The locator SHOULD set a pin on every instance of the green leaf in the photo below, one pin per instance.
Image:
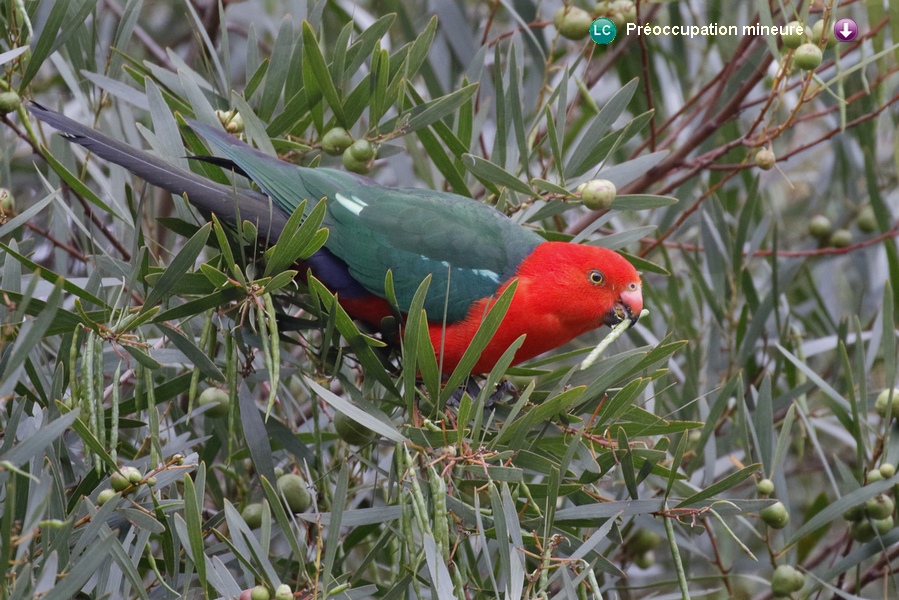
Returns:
(490, 173)
(316, 61)
(183, 261)
(720, 486)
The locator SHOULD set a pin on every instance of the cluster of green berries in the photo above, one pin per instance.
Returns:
(573, 22)
(292, 488)
(874, 518)
(125, 481)
(260, 592)
(820, 228)
(641, 546)
(597, 194)
(806, 46)
(358, 155)
(774, 515)
(786, 579)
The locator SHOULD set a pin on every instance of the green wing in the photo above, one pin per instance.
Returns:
(469, 249)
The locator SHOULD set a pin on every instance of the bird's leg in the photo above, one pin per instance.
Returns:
(471, 386)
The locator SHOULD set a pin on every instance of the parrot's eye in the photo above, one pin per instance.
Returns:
(632, 287)
(596, 278)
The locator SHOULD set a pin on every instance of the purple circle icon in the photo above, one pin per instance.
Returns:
(846, 30)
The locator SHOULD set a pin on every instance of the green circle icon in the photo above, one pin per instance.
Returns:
(603, 30)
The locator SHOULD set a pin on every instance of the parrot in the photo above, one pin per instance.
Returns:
(471, 251)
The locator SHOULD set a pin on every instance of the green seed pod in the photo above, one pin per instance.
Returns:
(765, 487)
(883, 526)
(854, 513)
(283, 592)
(645, 560)
(598, 194)
(641, 541)
(336, 140)
(220, 401)
(862, 531)
(572, 22)
(775, 515)
(884, 406)
(252, 515)
(295, 493)
(119, 482)
(808, 56)
(819, 30)
(867, 221)
(350, 431)
(795, 36)
(820, 227)
(9, 102)
(880, 507)
(363, 151)
(785, 581)
(765, 159)
(260, 592)
(105, 496)
(356, 166)
(841, 238)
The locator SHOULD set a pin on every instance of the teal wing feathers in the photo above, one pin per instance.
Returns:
(468, 248)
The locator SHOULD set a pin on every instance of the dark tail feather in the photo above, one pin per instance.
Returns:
(208, 196)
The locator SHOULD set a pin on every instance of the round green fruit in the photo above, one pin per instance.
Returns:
(336, 140)
(642, 541)
(841, 238)
(598, 194)
(252, 515)
(820, 227)
(785, 581)
(885, 406)
(775, 515)
(219, 399)
(572, 22)
(874, 475)
(794, 36)
(883, 526)
(862, 531)
(362, 150)
(854, 513)
(765, 487)
(867, 220)
(9, 102)
(119, 482)
(283, 592)
(105, 496)
(765, 159)
(296, 494)
(350, 431)
(887, 470)
(808, 56)
(645, 560)
(260, 592)
(880, 506)
(356, 166)
(820, 29)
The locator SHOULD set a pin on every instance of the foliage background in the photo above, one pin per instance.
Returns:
(761, 357)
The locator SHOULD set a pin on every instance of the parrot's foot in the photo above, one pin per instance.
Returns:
(473, 389)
